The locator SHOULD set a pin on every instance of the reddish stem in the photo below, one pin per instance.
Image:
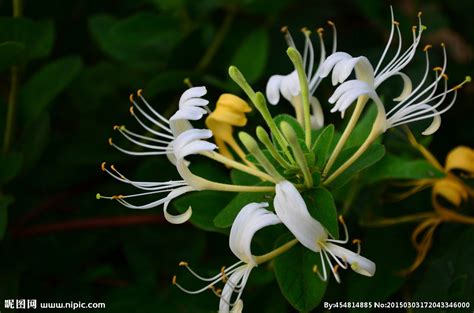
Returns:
(91, 223)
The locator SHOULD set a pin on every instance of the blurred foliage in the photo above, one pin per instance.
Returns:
(76, 63)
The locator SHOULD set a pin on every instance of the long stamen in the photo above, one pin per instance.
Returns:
(164, 151)
(148, 117)
(122, 129)
(149, 129)
(161, 117)
(346, 232)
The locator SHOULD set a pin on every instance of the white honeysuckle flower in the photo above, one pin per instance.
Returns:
(162, 131)
(343, 64)
(293, 212)
(289, 85)
(413, 104)
(187, 143)
(250, 219)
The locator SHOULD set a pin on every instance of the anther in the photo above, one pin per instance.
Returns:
(113, 168)
(174, 280)
(396, 23)
(420, 13)
(466, 80)
(116, 127)
(424, 27)
(284, 29)
(306, 31)
(139, 92)
(320, 30)
(102, 166)
(331, 23)
(183, 263)
(336, 268)
(188, 82)
(443, 45)
(427, 47)
(437, 68)
(110, 141)
(131, 111)
(341, 220)
(224, 275)
(358, 243)
(98, 196)
(131, 98)
(445, 76)
(315, 269)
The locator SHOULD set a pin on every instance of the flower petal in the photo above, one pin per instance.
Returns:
(317, 118)
(291, 209)
(250, 219)
(180, 218)
(190, 142)
(193, 92)
(358, 263)
(331, 61)
(273, 89)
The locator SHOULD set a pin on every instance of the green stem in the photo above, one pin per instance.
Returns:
(271, 255)
(345, 135)
(377, 130)
(17, 8)
(297, 60)
(12, 99)
(217, 41)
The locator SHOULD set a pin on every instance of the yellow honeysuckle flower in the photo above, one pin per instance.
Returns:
(229, 112)
(447, 195)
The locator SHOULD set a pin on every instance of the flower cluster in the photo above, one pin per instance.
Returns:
(296, 159)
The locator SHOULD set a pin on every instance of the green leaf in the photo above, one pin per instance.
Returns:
(322, 144)
(242, 178)
(303, 289)
(293, 123)
(321, 206)
(373, 154)
(46, 84)
(35, 140)
(166, 81)
(225, 218)
(36, 37)
(5, 201)
(11, 53)
(395, 167)
(10, 166)
(251, 56)
(141, 39)
(206, 205)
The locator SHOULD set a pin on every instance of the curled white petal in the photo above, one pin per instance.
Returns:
(317, 118)
(434, 126)
(331, 61)
(273, 89)
(190, 142)
(407, 87)
(358, 263)
(250, 219)
(292, 211)
(193, 92)
(180, 218)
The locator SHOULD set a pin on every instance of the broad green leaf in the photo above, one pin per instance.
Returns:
(35, 36)
(321, 206)
(372, 155)
(166, 81)
(251, 56)
(206, 205)
(5, 201)
(395, 167)
(241, 178)
(46, 84)
(35, 140)
(11, 53)
(10, 166)
(322, 144)
(293, 123)
(303, 289)
(225, 218)
(141, 39)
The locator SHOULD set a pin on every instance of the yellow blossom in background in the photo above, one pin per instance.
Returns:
(447, 195)
(229, 112)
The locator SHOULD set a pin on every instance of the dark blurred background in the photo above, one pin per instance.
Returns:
(76, 64)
